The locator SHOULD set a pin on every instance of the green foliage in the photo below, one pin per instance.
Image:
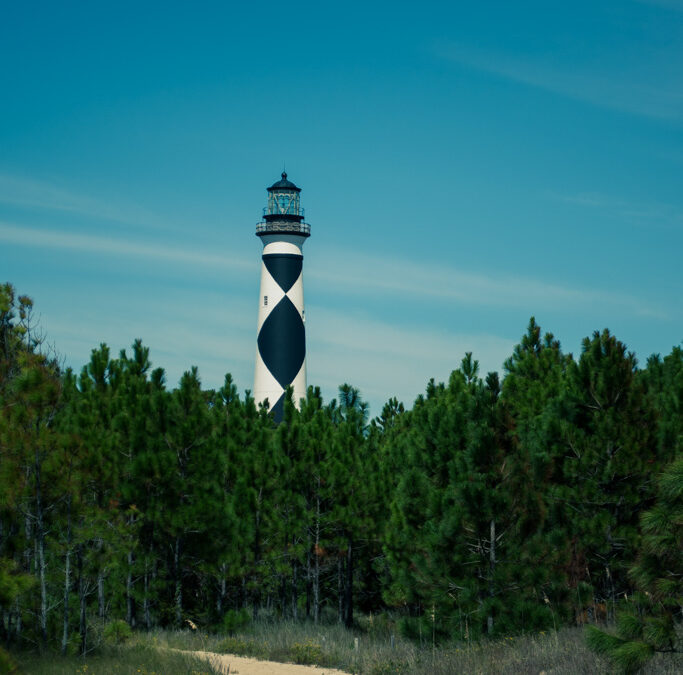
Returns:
(632, 656)
(235, 620)
(144, 659)
(664, 381)
(630, 626)
(241, 647)
(601, 642)
(650, 622)
(610, 452)
(389, 667)
(117, 632)
(489, 508)
(13, 582)
(8, 665)
(627, 656)
(307, 653)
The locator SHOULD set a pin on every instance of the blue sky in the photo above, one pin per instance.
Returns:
(464, 166)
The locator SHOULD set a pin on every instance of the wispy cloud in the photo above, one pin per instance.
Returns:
(646, 214)
(384, 359)
(36, 194)
(381, 358)
(181, 331)
(350, 272)
(674, 5)
(649, 92)
(26, 236)
(358, 273)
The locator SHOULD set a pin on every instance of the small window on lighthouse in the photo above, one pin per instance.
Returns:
(265, 300)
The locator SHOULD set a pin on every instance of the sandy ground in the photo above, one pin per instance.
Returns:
(240, 665)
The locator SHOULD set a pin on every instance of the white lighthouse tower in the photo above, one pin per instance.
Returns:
(281, 342)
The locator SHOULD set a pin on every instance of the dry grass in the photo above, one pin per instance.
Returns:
(124, 660)
(561, 653)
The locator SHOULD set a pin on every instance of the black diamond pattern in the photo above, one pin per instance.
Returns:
(278, 410)
(285, 268)
(282, 342)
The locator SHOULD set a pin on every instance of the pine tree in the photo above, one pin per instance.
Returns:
(30, 398)
(99, 528)
(228, 414)
(16, 579)
(252, 484)
(195, 507)
(609, 454)
(424, 545)
(547, 558)
(135, 463)
(650, 620)
(664, 381)
(349, 488)
(316, 434)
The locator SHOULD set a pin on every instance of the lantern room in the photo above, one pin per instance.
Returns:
(283, 212)
(283, 201)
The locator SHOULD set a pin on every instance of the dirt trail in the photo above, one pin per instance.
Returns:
(228, 664)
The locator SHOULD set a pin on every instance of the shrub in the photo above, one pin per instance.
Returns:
(241, 647)
(377, 625)
(117, 632)
(7, 663)
(307, 653)
(234, 620)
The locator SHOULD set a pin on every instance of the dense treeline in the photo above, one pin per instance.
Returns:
(492, 506)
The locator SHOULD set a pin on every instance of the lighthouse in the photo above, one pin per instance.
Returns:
(281, 341)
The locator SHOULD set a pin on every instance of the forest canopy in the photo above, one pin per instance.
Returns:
(549, 495)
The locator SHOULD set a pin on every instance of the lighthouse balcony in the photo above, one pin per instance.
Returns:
(283, 227)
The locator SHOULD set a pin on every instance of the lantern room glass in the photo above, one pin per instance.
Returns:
(283, 203)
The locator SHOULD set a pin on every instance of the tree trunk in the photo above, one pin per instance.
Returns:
(155, 572)
(6, 628)
(28, 535)
(308, 577)
(612, 594)
(257, 557)
(82, 624)
(220, 601)
(316, 574)
(295, 609)
(145, 603)
(348, 619)
(19, 627)
(42, 567)
(100, 594)
(40, 551)
(67, 577)
(283, 596)
(340, 588)
(492, 569)
(130, 611)
(178, 585)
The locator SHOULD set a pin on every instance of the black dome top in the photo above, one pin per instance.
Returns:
(284, 184)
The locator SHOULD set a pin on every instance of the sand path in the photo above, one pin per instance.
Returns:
(228, 664)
